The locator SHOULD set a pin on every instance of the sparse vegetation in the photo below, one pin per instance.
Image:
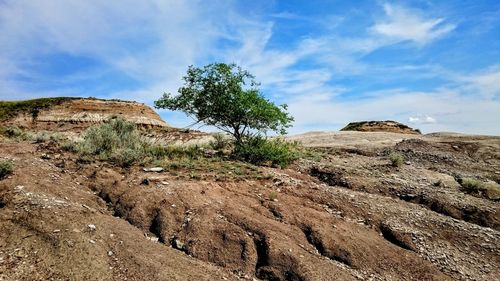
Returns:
(9, 109)
(48, 136)
(220, 142)
(14, 132)
(273, 196)
(396, 159)
(259, 150)
(489, 190)
(117, 141)
(6, 168)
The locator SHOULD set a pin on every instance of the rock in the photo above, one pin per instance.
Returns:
(154, 169)
(456, 147)
(92, 227)
(177, 244)
(110, 253)
(408, 163)
(45, 156)
(56, 230)
(92, 241)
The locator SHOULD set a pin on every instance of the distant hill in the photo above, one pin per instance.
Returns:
(381, 126)
(73, 113)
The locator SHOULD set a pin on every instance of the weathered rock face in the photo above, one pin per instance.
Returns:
(380, 126)
(81, 113)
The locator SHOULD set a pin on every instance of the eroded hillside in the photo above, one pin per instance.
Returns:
(343, 212)
(75, 114)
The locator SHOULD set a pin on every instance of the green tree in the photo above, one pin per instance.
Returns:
(227, 97)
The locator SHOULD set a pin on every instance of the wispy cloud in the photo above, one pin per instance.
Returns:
(329, 76)
(402, 24)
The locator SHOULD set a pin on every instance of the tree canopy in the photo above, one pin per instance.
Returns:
(227, 97)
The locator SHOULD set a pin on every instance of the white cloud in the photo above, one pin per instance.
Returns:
(454, 111)
(419, 119)
(485, 83)
(150, 41)
(403, 24)
(154, 41)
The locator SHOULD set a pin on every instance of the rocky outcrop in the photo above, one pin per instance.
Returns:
(380, 126)
(83, 112)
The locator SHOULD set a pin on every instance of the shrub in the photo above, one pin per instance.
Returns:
(14, 132)
(490, 190)
(116, 140)
(259, 150)
(119, 142)
(220, 142)
(48, 136)
(396, 159)
(6, 168)
(125, 157)
(68, 145)
(470, 184)
(103, 140)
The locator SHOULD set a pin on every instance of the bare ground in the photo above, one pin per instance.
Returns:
(342, 214)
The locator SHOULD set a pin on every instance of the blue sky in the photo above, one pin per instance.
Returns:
(434, 65)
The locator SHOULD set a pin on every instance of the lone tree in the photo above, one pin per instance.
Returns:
(227, 97)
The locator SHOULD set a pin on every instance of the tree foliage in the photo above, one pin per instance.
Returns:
(227, 97)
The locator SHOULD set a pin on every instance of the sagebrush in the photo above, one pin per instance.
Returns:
(119, 141)
(396, 159)
(6, 168)
(260, 150)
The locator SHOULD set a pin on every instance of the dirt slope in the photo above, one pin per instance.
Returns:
(342, 214)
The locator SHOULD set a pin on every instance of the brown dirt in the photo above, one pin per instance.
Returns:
(344, 214)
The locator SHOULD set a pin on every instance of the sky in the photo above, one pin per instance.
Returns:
(434, 65)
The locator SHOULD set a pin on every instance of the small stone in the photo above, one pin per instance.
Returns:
(164, 183)
(56, 230)
(110, 253)
(154, 169)
(92, 241)
(92, 227)
(408, 163)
